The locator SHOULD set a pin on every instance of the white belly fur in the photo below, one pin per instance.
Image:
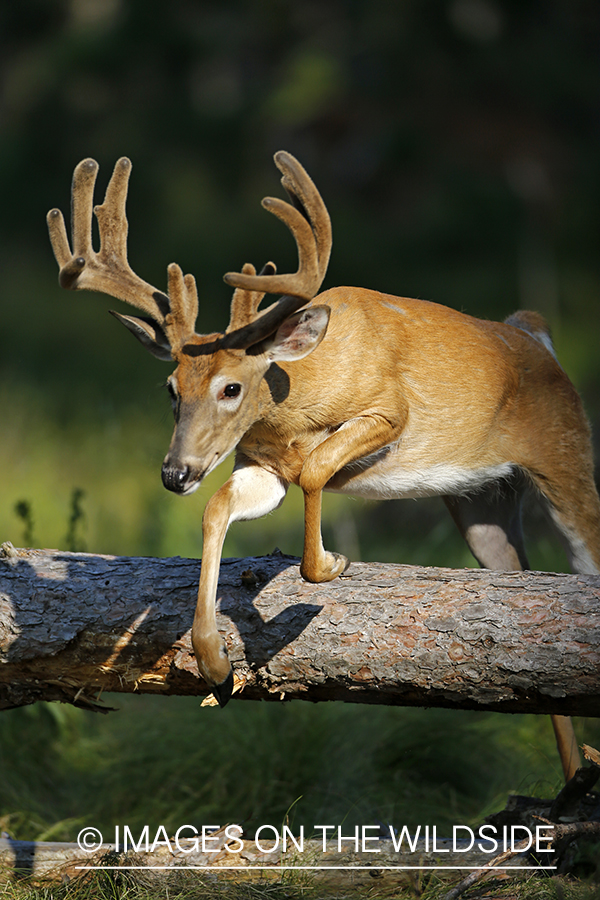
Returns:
(383, 477)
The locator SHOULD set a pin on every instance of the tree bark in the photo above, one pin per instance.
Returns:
(75, 625)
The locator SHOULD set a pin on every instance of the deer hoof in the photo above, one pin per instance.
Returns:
(224, 690)
(332, 565)
(340, 564)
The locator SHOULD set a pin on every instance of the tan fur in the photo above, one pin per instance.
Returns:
(359, 392)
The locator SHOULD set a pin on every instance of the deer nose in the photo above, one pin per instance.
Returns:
(175, 478)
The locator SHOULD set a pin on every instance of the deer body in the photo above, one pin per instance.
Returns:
(454, 402)
(350, 391)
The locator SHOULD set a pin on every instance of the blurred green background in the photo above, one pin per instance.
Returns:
(455, 143)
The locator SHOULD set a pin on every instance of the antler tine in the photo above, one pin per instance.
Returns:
(309, 222)
(180, 322)
(306, 198)
(245, 303)
(108, 270)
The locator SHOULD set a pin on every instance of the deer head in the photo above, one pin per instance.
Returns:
(215, 387)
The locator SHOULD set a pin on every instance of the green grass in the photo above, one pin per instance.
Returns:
(167, 761)
(192, 886)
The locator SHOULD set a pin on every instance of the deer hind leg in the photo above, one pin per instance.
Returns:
(573, 508)
(575, 517)
(490, 522)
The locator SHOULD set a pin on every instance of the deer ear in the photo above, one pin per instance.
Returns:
(148, 333)
(298, 335)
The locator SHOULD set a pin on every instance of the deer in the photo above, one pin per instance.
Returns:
(351, 391)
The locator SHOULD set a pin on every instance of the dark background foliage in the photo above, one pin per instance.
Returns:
(456, 144)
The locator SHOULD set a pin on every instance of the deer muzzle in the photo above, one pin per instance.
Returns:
(180, 479)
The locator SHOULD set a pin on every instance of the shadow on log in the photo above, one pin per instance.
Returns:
(75, 625)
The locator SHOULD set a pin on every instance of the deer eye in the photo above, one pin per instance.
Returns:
(174, 396)
(228, 393)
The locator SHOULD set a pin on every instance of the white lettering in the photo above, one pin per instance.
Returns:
(324, 829)
(397, 842)
(368, 837)
(435, 848)
(492, 840)
(128, 837)
(340, 839)
(513, 830)
(275, 838)
(206, 830)
(287, 833)
(454, 838)
(193, 848)
(165, 840)
(543, 837)
(234, 837)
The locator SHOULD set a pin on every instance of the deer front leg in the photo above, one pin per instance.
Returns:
(249, 493)
(317, 563)
(355, 439)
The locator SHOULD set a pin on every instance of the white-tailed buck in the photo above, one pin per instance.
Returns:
(350, 391)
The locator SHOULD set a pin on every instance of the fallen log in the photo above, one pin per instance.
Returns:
(247, 859)
(75, 625)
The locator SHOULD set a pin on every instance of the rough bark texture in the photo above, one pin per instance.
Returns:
(73, 625)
